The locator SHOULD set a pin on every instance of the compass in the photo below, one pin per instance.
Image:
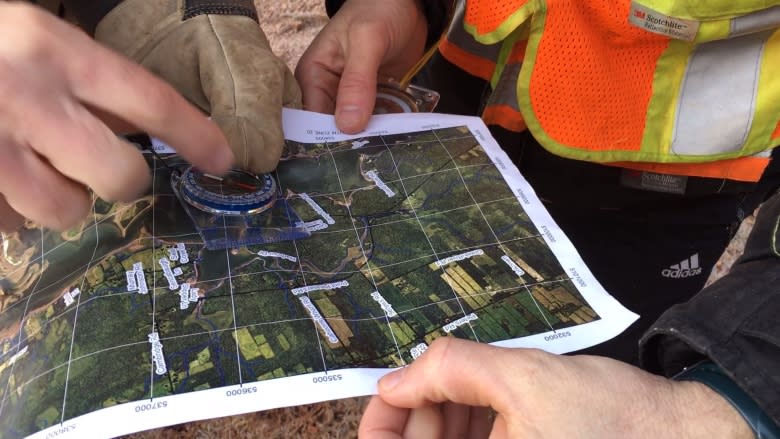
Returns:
(391, 98)
(235, 193)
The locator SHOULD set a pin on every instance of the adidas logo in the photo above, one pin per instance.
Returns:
(686, 268)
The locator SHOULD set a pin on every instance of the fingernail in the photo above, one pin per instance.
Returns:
(350, 117)
(391, 380)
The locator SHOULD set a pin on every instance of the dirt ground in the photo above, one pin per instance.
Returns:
(290, 26)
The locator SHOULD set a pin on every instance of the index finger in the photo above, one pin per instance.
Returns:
(118, 86)
(382, 421)
(317, 73)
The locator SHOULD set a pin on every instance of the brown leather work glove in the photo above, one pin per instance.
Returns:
(215, 54)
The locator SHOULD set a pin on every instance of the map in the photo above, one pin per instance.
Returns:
(418, 228)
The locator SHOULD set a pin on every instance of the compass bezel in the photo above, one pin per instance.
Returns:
(245, 204)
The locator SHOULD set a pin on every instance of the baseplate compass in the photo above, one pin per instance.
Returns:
(236, 209)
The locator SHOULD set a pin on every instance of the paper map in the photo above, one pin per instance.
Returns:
(421, 227)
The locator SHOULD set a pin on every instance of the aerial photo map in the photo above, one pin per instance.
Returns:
(366, 250)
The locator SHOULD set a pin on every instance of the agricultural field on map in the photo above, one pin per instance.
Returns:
(414, 237)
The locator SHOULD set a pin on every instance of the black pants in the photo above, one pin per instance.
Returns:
(650, 250)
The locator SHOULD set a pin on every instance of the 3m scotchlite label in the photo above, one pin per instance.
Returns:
(718, 94)
(756, 22)
(653, 21)
(651, 181)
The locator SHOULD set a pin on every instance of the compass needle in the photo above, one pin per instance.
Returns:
(242, 185)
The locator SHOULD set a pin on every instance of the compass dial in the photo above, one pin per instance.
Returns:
(235, 193)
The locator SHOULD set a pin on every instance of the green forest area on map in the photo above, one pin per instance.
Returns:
(451, 242)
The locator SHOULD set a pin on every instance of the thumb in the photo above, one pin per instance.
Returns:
(453, 370)
(357, 88)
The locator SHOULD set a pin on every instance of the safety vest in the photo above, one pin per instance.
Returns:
(679, 87)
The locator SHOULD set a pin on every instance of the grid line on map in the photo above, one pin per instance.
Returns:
(232, 299)
(76, 313)
(196, 334)
(154, 237)
(95, 298)
(21, 329)
(362, 250)
(408, 177)
(427, 238)
(159, 195)
(351, 272)
(153, 293)
(303, 278)
(484, 218)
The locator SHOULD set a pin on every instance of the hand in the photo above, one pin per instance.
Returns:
(363, 41)
(536, 394)
(62, 95)
(221, 63)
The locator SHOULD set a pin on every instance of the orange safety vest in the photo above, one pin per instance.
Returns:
(654, 85)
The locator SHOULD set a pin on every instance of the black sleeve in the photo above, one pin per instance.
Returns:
(332, 6)
(88, 13)
(437, 12)
(735, 322)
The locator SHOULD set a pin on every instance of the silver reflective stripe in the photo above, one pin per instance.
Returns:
(756, 22)
(505, 92)
(457, 34)
(763, 154)
(718, 95)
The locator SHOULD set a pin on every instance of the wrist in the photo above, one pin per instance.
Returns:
(700, 412)
(718, 390)
(716, 382)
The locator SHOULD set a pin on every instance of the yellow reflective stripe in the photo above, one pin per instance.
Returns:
(668, 76)
(768, 98)
(508, 44)
(509, 25)
(713, 30)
